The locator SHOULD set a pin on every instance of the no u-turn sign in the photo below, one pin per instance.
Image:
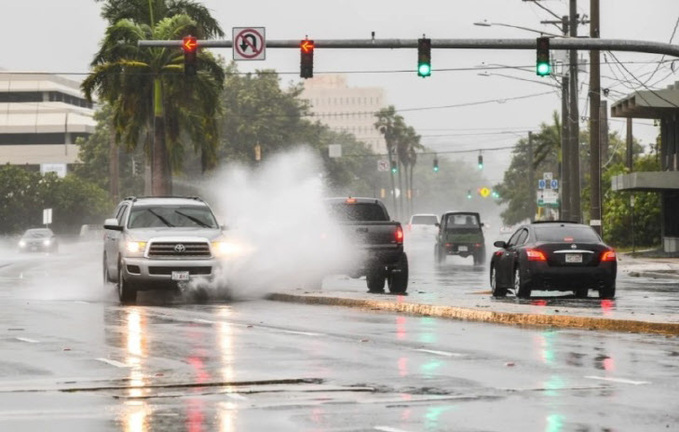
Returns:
(249, 43)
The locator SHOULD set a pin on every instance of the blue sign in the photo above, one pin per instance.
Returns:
(555, 184)
(541, 184)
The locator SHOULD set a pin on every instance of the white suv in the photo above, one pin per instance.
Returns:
(161, 242)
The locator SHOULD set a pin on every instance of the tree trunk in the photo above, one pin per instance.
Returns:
(161, 176)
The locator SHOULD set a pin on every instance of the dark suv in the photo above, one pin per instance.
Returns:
(460, 233)
(161, 242)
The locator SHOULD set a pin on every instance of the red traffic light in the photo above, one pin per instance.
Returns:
(306, 51)
(307, 46)
(189, 44)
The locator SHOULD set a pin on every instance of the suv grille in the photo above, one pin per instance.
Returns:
(179, 249)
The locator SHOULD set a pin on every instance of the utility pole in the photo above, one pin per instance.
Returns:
(594, 123)
(629, 159)
(531, 178)
(565, 202)
(574, 118)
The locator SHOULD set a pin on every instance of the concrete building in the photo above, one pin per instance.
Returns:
(664, 106)
(346, 109)
(41, 116)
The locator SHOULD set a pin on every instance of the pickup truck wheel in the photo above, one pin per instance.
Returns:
(375, 280)
(398, 281)
(126, 292)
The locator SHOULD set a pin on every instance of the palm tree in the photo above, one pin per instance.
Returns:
(153, 103)
(402, 143)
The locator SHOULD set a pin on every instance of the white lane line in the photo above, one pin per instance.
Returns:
(236, 396)
(441, 353)
(298, 332)
(618, 380)
(388, 429)
(112, 362)
(23, 339)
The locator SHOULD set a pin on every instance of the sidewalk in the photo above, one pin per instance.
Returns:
(640, 265)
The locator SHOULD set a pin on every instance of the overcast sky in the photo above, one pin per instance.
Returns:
(62, 37)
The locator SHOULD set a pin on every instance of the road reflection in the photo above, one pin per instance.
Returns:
(136, 409)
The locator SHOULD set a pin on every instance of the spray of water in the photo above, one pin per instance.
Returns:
(275, 213)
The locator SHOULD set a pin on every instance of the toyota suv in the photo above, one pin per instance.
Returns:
(161, 243)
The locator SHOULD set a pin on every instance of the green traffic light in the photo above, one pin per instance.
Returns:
(424, 70)
(544, 69)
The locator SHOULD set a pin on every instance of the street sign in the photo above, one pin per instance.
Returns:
(547, 176)
(47, 216)
(58, 168)
(249, 43)
(382, 165)
(548, 198)
(554, 184)
(542, 184)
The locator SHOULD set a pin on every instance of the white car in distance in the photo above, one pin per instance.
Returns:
(423, 226)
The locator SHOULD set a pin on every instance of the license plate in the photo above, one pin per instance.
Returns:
(180, 275)
(573, 258)
(462, 248)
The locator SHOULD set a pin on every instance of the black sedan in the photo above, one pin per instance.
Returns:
(38, 240)
(553, 256)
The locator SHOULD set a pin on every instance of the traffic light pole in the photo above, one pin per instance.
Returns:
(501, 44)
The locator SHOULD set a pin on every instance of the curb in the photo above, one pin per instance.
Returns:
(507, 318)
(669, 274)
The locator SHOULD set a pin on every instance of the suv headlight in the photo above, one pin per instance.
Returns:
(135, 247)
(226, 249)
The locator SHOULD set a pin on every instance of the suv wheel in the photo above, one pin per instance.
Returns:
(398, 281)
(439, 254)
(107, 276)
(126, 292)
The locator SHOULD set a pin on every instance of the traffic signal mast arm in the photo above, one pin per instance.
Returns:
(501, 44)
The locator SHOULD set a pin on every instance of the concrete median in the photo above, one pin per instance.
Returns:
(488, 316)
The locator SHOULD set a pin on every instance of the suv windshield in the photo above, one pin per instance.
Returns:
(424, 220)
(171, 216)
(566, 233)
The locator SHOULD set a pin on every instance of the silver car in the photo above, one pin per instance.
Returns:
(161, 243)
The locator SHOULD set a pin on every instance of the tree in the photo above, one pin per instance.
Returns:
(95, 156)
(24, 194)
(152, 101)
(402, 143)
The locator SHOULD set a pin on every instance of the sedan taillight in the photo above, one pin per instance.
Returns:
(608, 256)
(535, 255)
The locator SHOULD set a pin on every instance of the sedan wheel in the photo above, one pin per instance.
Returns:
(496, 290)
(521, 289)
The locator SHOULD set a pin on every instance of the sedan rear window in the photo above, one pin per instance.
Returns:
(566, 234)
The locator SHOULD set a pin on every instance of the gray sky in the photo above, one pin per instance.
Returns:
(62, 37)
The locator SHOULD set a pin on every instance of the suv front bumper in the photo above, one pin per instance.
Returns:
(146, 273)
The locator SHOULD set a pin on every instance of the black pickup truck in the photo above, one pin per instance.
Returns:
(379, 241)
